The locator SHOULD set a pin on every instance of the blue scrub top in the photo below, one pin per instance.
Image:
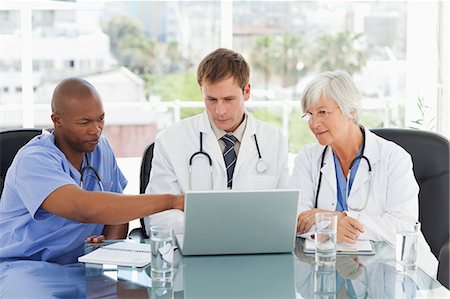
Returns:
(29, 232)
(341, 182)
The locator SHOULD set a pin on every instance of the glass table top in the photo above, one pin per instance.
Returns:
(292, 275)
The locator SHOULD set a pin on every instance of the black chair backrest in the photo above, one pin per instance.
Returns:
(146, 167)
(10, 142)
(430, 156)
(444, 263)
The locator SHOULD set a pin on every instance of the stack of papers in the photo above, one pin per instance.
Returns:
(361, 247)
(120, 254)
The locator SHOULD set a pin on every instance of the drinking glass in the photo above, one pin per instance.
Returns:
(161, 242)
(325, 238)
(406, 245)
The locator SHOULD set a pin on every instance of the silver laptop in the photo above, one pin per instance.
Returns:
(239, 222)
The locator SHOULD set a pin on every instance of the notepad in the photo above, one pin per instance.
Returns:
(120, 254)
(361, 247)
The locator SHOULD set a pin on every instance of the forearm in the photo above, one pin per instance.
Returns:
(109, 208)
(114, 232)
(104, 207)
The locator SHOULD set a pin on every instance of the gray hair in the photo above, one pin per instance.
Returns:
(337, 85)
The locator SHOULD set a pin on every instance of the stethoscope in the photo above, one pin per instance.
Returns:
(359, 157)
(86, 168)
(261, 165)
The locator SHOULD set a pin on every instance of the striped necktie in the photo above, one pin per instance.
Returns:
(229, 155)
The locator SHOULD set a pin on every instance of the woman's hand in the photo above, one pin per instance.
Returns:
(349, 229)
(306, 219)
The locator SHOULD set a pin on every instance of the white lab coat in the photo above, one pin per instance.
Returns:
(393, 190)
(175, 145)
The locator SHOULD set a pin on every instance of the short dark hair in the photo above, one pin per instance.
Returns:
(222, 64)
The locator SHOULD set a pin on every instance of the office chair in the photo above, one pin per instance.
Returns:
(146, 167)
(430, 156)
(11, 141)
(444, 263)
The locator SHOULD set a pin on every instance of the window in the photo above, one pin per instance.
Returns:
(142, 57)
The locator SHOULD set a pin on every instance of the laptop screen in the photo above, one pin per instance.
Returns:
(239, 222)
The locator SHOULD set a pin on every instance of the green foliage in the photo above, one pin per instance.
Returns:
(129, 44)
(422, 123)
(371, 119)
(188, 112)
(293, 59)
(292, 56)
(343, 50)
(133, 49)
(264, 56)
(269, 115)
(180, 86)
(284, 56)
(299, 133)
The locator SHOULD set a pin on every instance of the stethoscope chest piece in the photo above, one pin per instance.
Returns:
(261, 166)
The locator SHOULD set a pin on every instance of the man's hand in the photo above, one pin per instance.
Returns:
(95, 239)
(178, 202)
(349, 229)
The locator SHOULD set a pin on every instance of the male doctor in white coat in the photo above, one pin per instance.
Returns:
(222, 148)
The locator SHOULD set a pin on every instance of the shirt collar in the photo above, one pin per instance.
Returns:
(238, 133)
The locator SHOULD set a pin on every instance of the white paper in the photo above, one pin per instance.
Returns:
(120, 254)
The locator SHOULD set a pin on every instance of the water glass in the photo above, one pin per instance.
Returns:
(325, 238)
(162, 292)
(325, 282)
(406, 245)
(161, 242)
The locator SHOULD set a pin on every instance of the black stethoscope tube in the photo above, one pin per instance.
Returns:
(359, 157)
(86, 168)
(261, 165)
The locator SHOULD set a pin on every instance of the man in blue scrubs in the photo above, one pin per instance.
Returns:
(53, 197)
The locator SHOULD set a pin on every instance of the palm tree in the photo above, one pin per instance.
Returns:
(263, 56)
(294, 59)
(343, 50)
(130, 45)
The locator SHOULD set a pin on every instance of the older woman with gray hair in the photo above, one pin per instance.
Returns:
(366, 180)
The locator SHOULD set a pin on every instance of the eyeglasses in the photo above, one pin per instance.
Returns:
(321, 114)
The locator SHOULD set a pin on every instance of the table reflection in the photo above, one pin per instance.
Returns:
(231, 276)
(239, 276)
(37, 279)
(364, 277)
